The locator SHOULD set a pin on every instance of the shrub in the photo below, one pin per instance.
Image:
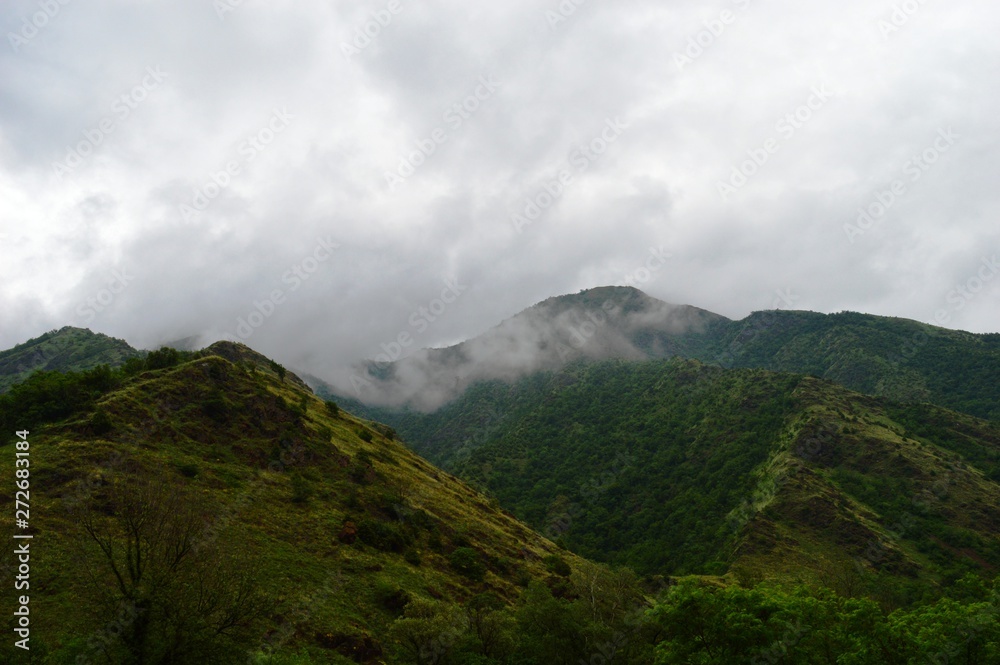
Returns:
(557, 565)
(301, 490)
(382, 536)
(385, 431)
(278, 369)
(412, 557)
(361, 470)
(214, 406)
(391, 598)
(100, 423)
(188, 470)
(467, 562)
(332, 407)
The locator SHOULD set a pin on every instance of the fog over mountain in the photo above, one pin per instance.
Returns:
(306, 177)
(597, 324)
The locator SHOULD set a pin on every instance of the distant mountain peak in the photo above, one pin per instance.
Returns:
(66, 349)
(593, 324)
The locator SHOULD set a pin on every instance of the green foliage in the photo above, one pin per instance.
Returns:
(100, 423)
(427, 632)
(181, 594)
(214, 406)
(468, 562)
(557, 565)
(391, 598)
(66, 350)
(188, 470)
(278, 369)
(301, 489)
(896, 358)
(164, 358)
(361, 470)
(633, 463)
(384, 536)
(332, 408)
(47, 397)
(767, 624)
(665, 466)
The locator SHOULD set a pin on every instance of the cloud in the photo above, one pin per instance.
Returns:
(560, 78)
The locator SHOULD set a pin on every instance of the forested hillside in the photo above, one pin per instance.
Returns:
(63, 350)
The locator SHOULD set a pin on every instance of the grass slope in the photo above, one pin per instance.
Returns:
(344, 522)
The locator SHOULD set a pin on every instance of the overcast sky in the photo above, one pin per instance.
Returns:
(166, 166)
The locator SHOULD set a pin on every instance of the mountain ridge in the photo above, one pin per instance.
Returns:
(894, 357)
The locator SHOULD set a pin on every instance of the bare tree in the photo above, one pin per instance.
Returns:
(188, 598)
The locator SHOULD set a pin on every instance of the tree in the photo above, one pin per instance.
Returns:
(491, 625)
(162, 359)
(427, 632)
(466, 560)
(148, 556)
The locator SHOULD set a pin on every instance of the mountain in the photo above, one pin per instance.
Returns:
(677, 467)
(609, 322)
(63, 350)
(207, 507)
(896, 358)
(194, 507)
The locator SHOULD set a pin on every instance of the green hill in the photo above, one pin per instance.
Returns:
(207, 505)
(64, 350)
(896, 358)
(677, 467)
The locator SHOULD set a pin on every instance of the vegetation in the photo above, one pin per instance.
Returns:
(65, 350)
(677, 467)
(207, 507)
(200, 509)
(896, 358)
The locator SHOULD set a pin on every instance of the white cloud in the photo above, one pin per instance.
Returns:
(355, 117)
